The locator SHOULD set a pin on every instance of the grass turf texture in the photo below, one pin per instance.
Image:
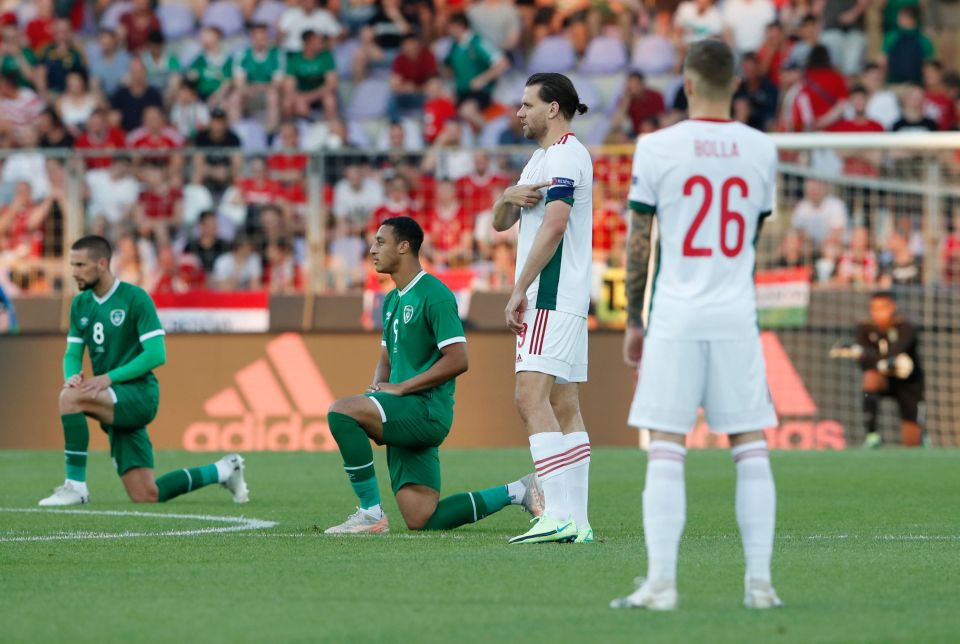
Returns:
(866, 552)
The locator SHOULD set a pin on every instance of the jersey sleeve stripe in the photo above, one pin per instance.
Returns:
(642, 208)
(566, 200)
(74, 340)
(449, 341)
(383, 343)
(152, 334)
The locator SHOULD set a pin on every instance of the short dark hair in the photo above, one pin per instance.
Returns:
(858, 89)
(912, 11)
(98, 247)
(807, 19)
(156, 37)
(459, 18)
(307, 35)
(819, 58)
(10, 78)
(883, 295)
(206, 214)
(712, 61)
(406, 229)
(638, 75)
(558, 88)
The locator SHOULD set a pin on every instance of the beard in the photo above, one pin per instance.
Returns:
(86, 286)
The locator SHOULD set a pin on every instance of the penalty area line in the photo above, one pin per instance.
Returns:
(238, 524)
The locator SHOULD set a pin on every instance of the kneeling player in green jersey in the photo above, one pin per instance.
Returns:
(409, 406)
(119, 324)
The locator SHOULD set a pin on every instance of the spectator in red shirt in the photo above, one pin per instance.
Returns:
(257, 189)
(474, 190)
(937, 100)
(437, 110)
(137, 25)
(411, 69)
(100, 135)
(820, 101)
(40, 30)
(858, 264)
(155, 134)
(449, 230)
(21, 223)
(774, 52)
(859, 162)
(397, 204)
(159, 209)
(286, 166)
(609, 229)
(638, 103)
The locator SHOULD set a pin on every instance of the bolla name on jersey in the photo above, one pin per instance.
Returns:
(718, 149)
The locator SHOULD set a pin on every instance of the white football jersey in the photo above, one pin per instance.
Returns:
(709, 183)
(564, 283)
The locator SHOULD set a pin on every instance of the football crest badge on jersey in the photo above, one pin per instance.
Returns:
(407, 313)
(117, 316)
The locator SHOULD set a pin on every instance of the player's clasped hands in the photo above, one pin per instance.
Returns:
(525, 195)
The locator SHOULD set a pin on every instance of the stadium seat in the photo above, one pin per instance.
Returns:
(268, 12)
(604, 55)
(226, 16)
(509, 89)
(589, 95)
(490, 134)
(552, 54)
(187, 50)
(609, 87)
(412, 136)
(176, 20)
(441, 48)
(343, 55)
(111, 17)
(253, 136)
(653, 55)
(358, 134)
(369, 99)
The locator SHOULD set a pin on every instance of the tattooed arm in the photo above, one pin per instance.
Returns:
(639, 248)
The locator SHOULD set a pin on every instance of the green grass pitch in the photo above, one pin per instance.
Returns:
(868, 550)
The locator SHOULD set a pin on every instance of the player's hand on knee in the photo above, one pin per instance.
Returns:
(73, 381)
(95, 385)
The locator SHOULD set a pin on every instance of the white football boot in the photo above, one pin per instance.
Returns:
(760, 594)
(362, 522)
(70, 493)
(659, 595)
(235, 483)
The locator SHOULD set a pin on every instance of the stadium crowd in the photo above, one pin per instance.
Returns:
(195, 121)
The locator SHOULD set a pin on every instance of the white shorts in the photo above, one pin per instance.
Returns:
(554, 343)
(728, 378)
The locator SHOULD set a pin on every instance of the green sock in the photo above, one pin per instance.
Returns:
(76, 441)
(469, 507)
(357, 456)
(173, 484)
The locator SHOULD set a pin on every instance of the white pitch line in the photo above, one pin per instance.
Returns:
(240, 524)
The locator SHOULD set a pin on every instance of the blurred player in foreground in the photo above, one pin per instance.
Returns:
(548, 307)
(700, 192)
(409, 405)
(886, 347)
(118, 323)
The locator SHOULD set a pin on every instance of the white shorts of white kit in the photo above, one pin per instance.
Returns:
(728, 378)
(554, 343)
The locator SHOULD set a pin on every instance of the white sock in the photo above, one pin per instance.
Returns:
(516, 491)
(756, 507)
(664, 509)
(577, 475)
(548, 459)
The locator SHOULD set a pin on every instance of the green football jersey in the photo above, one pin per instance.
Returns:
(210, 73)
(310, 73)
(417, 322)
(113, 327)
(261, 70)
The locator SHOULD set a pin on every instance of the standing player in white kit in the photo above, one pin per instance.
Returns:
(700, 192)
(548, 307)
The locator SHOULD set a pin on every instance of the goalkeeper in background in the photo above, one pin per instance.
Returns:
(887, 350)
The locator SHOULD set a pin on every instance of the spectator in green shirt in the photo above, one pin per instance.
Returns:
(906, 48)
(258, 78)
(311, 79)
(163, 68)
(476, 65)
(212, 70)
(16, 58)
